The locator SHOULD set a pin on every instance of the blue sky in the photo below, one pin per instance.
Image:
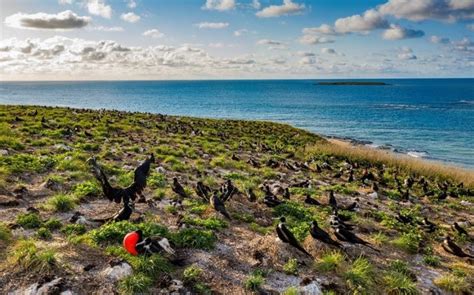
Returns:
(226, 39)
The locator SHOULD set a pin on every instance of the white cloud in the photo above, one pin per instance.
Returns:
(287, 8)
(61, 21)
(324, 29)
(256, 4)
(131, 4)
(240, 32)
(220, 5)
(328, 50)
(130, 17)
(406, 53)
(307, 60)
(153, 33)
(209, 25)
(396, 32)
(313, 40)
(216, 45)
(370, 20)
(106, 29)
(470, 27)
(305, 54)
(439, 40)
(269, 42)
(417, 10)
(99, 7)
(64, 2)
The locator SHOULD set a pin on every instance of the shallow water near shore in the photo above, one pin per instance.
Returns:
(430, 118)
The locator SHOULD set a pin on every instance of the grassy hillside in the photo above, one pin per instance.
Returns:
(43, 166)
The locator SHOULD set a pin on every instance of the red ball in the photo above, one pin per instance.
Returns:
(130, 241)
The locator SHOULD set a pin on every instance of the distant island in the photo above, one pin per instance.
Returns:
(358, 83)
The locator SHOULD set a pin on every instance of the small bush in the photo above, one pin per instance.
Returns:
(213, 223)
(192, 274)
(360, 274)
(44, 234)
(291, 267)
(74, 229)
(111, 233)
(156, 180)
(53, 224)
(61, 203)
(453, 283)
(254, 282)
(330, 262)
(87, 189)
(432, 260)
(408, 242)
(28, 257)
(29, 220)
(135, 284)
(397, 283)
(5, 233)
(194, 238)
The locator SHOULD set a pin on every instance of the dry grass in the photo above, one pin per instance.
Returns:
(405, 163)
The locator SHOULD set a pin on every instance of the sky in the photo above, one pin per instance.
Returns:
(235, 39)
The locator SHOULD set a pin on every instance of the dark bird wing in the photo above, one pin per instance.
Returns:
(141, 174)
(345, 235)
(219, 206)
(113, 194)
(323, 236)
(291, 238)
(124, 213)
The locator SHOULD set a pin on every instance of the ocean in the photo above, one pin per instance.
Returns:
(429, 118)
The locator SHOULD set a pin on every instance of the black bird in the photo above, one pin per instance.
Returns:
(405, 196)
(375, 187)
(87, 133)
(218, 205)
(304, 183)
(203, 190)
(442, 195)
(286, 194)
(251, 195)
(332, 200)
(152, 245)
(336, 220)
(457, 228)
(409, 181)
(348, 236)
(404, 219)
(178, 188)
(351, 176)
(128, 193)
(451, 247)
(318, 168)
(228, 191)
(429, 226)
(311, 201)
(320, 235)
(286, 236)
(367, 175)
(271, 201)
(235, 158)
(125, 212)
(338, 174)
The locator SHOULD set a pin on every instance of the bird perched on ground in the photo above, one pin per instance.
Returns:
(228, 190)
(351, 207)
(351, 175)
(348, 236)
(451, 247)
(286, 236)
(459, 229)
(332, 200)
(403, 218)
(271, 200)
(202, 190)
(427, 225)
(320, 235)
(125, 212)
(178, 189)
(311, 201)
(218, 205)
(367, 175)
(136, 244)
(251, 195)
(286, 194)
(304, 183)
(126, 194)
(338, 174)
(336, 220)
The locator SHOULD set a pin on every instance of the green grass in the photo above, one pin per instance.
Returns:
(408, 242)
(135, 284)
(360, 274)
(61, 203)
(29, 220)
(53, 224)
(330, 262)
(74, 229)
(291, 291)
(87, 189)
(194, 238)
(20, 163)
(213, 223)
(291, 267)
(28, 256)
(254, 282)
(453, 283)
(113, 233)
(5, 233)
(432, 260)
(44, 233)
(396, 283)
(192, 274)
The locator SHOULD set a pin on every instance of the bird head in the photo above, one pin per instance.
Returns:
(314, 223)
(282, 219)
(91, 161)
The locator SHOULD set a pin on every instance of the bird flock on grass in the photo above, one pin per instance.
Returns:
(342, 230)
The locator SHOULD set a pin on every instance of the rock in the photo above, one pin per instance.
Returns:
(61, 146)
(117, 272)
(7, 201)
(311, 288)
(3, 152)
(160, 170)
(52, 287)
(67, 292)
(176, 286)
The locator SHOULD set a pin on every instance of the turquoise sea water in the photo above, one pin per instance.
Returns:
(431, 118)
